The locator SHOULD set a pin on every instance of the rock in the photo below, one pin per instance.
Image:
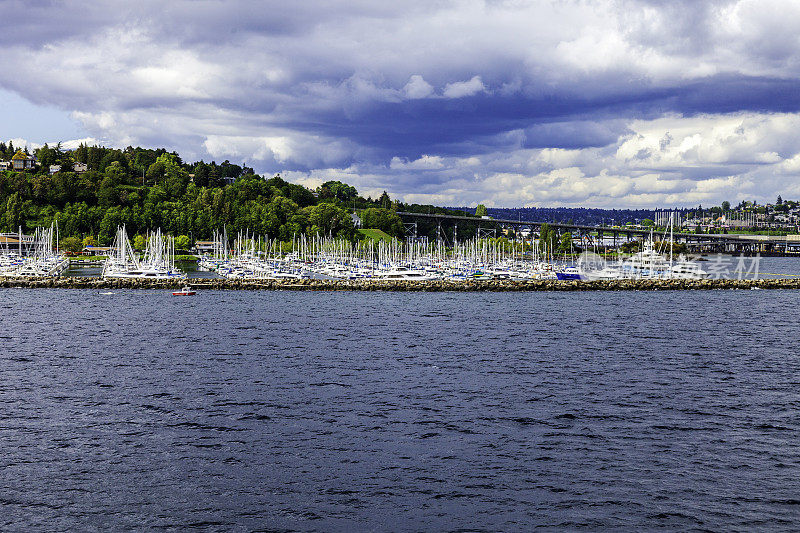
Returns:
(403, 285)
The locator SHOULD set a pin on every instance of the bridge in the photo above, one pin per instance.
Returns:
(708, 242)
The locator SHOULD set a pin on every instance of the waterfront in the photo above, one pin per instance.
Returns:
(400, 411)
(767, 268)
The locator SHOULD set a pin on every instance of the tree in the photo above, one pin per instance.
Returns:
(328, 219)
(12, 216)
(201, 174)
(547, 238)
(382, 219)
(71, 245)
(89, 240)
(183, 242)
(385, 201)
(648, 222)
(66, 162)
(565, 244)
(140, 242)
(480, 211)
(337, 189)
(779, 201)
(155, 172)
(108, 193)
(726, 206)
(46, 156)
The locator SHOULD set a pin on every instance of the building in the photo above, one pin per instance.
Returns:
(356, 220)
(76, 167)
(23, 161)
(5, 165)
(97, 250)
(204, 246)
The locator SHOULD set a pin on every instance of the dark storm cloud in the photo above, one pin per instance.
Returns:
(313, 85)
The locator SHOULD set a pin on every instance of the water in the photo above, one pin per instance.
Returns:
(95, 271)
(348, 411)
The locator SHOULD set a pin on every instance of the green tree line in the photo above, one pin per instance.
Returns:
(145, 189)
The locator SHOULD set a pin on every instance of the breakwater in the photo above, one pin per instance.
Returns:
(402, 285)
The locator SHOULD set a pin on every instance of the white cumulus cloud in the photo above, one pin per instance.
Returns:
(460, 89)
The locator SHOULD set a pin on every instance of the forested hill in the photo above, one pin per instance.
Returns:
(573, 215)
(145, 189)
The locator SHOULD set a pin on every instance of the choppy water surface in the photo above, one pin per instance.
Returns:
(383, 411)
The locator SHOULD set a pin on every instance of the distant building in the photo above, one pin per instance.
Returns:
(23, 161)
(76, 167)
(203, 246)
(8, 242)
(11, 242)
(356, 220)
(97, 250)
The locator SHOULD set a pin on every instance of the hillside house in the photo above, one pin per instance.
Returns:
(23, 161)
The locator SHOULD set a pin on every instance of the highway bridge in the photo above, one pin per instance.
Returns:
(709, 242)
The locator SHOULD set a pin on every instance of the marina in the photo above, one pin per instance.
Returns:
(251, 258)
(316, 261)
(463, 266)
(35, 256)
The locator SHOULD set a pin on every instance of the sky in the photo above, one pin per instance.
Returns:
(509, 103)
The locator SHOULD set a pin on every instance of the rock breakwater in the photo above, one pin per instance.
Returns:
(401, 285)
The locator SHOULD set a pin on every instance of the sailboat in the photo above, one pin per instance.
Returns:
(157, 263)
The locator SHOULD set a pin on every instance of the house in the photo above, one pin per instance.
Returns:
(76, 167)
(23, 161)
(5, 165)
(9, 241)
(97, 250)
(356, 220)
(202, 247)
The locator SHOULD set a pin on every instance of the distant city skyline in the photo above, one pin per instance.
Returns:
(628, 104)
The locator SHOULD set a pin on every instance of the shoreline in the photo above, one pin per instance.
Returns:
(401, 285)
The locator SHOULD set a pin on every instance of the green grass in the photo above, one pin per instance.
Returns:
(375, 234)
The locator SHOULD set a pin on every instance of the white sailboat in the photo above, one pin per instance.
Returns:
(157, 263)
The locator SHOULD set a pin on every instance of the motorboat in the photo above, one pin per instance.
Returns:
(185, 291)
